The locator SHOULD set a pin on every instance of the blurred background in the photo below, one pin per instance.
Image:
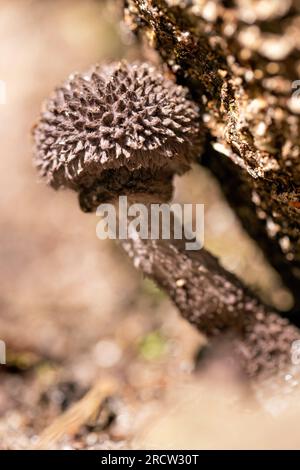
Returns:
(74, 312)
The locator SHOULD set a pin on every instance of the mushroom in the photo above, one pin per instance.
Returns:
(125, 129)
(119, 129)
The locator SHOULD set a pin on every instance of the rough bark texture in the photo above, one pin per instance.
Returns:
(241, 202)
(240, 59)
(216, 303)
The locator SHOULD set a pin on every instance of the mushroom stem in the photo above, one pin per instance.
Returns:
(215, 301)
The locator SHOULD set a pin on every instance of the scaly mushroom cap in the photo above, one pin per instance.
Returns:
(115, 126)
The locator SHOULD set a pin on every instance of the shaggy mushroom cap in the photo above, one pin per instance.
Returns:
(117, 129)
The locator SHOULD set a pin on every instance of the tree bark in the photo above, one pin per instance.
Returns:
(239, 65)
